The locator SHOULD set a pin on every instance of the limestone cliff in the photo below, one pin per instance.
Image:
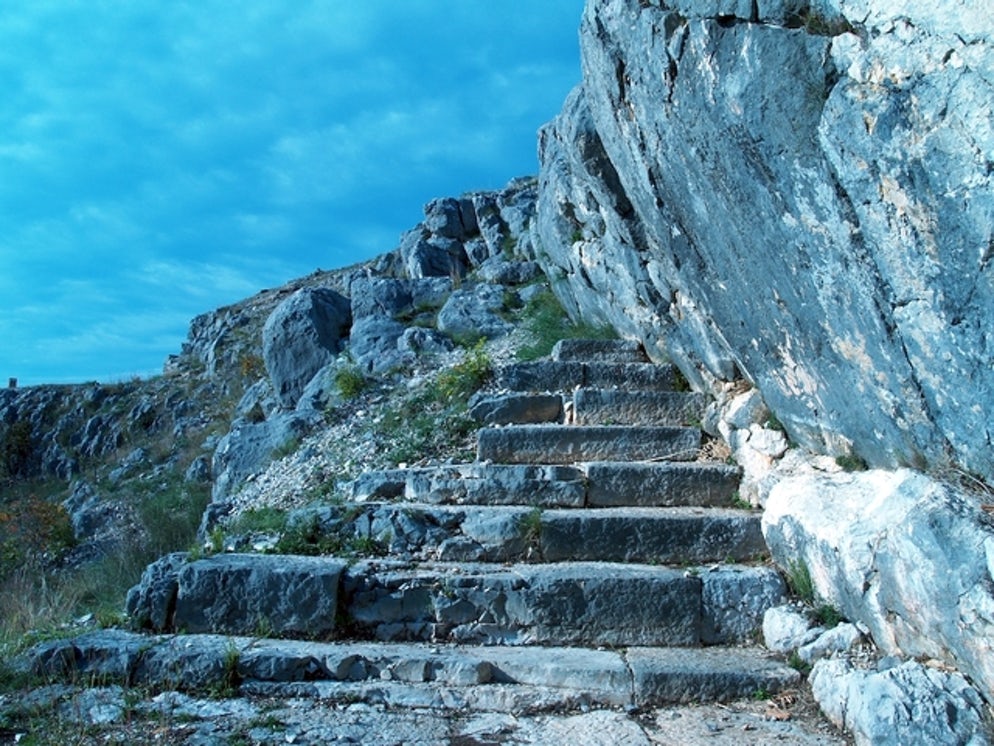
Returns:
(799, 195)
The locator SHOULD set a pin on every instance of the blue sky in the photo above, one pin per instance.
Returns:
(161, 159)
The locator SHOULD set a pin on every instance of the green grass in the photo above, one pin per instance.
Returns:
(350, 381)
(851, 462)
(546, 322)
(799, 581)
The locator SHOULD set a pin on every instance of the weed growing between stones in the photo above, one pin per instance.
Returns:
(350, 381)
(827, 615)
(799, 581)
(546, 322)
(851, 462)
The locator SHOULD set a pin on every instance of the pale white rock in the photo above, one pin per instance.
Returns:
(746, 409)
(899, 552)
(907, 705)
(786, 628)
(840, 638)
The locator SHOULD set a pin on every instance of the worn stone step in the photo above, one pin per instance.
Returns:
(614, 407)
(647, 484)
(567, 375)
(567, 603)
(505, 409)
(599, 350)
(663, 535)
(239, 594)
(477, 484)
(582, 603)
(493, 678)
(557, 444)
(516, 534)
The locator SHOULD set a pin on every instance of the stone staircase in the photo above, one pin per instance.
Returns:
(584, 559)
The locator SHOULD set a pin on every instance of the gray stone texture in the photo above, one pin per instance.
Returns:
(599, 350)
(612, 484)
(681, 675)
(506, 409)
(555, 444)
(565, 604)
(608, 407)
(702, 161)
(907, 704)
(473, 312)
(243, 594)
(552, 375)
(301, 336)
(651, 535)
(498, 484)
(908, 557)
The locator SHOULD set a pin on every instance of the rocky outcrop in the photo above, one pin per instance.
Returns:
(907, 556)
(301, 336)
(798, 195)
(909, 703)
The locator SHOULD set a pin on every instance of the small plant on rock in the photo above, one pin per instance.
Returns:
(799, 581)
(350, 381)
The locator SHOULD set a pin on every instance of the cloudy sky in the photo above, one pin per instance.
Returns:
(161, 159)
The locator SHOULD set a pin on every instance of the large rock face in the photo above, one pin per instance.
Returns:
(753, 188)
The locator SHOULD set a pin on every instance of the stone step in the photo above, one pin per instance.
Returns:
(652, 535)
(599, 350)
(548, 486)
(581, 603)
(598, 484)
(557, 444)
(621, 484)
(506, 409)
(567, 603)
(552, 375)
(517, 534)
(613, 407)
(445, 677)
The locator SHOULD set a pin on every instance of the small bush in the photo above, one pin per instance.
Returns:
(17, 448)
(350, 381)
(288, 448)
(259, 519)
(466, 377)
(851, 462)
(827, 615)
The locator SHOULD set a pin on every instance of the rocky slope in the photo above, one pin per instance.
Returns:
(788, 201)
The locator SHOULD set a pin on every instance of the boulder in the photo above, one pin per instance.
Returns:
(473, 312)
(786, 628)
(425, 255)
(301, 336)
(250, 446)
(907, 704)
(450, 217)
(909, 557)
(241, 594)
(373, 343)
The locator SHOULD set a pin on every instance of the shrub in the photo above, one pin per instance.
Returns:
(799, 581)
(466, 377)
(350, 381)
(16, 449)
(851, 462)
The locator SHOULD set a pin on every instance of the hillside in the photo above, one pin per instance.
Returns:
(383, 490)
